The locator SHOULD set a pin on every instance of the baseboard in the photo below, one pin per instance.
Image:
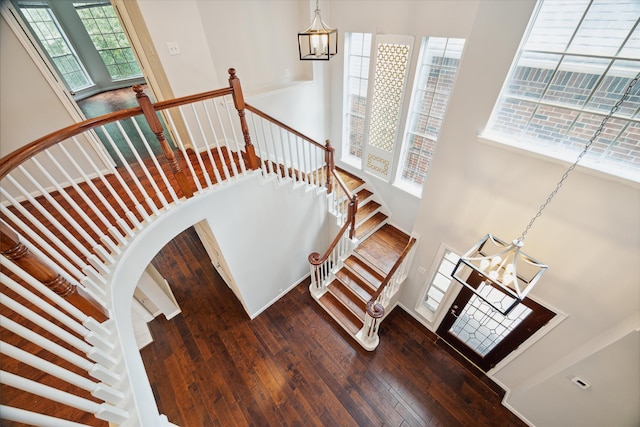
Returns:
(280, 295)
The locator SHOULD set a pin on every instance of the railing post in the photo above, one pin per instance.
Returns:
(156, 127)
(238, 100)
(14, 250)
(330, 161)
(352, 209)
(368, 335)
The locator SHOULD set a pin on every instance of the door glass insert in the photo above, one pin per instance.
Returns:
(481, 327)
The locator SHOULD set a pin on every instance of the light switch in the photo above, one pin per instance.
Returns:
(173, 48)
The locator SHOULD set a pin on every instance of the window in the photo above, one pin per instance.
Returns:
(376, 73)
(102, 24)
(85, 42)
(357, 53)
(438, 286)
(46, 28)
(575, 62)
(437, 68)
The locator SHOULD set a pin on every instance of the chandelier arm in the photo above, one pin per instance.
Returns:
(615, 108)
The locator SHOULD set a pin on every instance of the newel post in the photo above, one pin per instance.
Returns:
(330, 161)
(156, 127)
(368, 335)
(238, 101)
(13, 249)
(352, 209)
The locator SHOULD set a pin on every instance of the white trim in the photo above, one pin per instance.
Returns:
(562, 158)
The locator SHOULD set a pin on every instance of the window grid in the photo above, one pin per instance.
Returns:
(109, 39)
(439, 60)
(441, 281)
(51, 36)
(564, 83)
(358, 48)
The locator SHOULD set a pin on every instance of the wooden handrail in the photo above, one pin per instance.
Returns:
(13, 249)
(14, 159)
(190, 99)
(342, 184)
(316, 259)
(276, 122)
(375, 309)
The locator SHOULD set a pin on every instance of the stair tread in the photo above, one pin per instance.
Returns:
(366, 210)
(357, 284)
(347, 297)
(383, 247)
(370, 275)
(345, 317)
(351, 181)
(363, 195)
(370, 224)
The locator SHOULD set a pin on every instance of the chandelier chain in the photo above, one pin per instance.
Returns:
(614, 109)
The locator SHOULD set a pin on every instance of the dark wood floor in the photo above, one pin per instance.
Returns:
(212, 365)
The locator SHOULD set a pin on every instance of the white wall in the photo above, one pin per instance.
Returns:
(589, 235)
(604, 403)
(266, 232)
(258, 39)
(25, 95)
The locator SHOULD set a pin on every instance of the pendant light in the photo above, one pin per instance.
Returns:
(499, 272)
(319, 41)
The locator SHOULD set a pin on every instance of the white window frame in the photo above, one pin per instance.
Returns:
(416, 106)
(624, 66)
(347, 157)
(434, 315)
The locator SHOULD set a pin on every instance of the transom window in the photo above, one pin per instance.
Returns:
(575, 62)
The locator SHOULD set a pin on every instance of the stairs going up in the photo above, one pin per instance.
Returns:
(379, 245)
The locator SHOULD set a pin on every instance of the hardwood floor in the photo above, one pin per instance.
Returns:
(212, 365)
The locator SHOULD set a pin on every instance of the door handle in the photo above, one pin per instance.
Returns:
(453, 311)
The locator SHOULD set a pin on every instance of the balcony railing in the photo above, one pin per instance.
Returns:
(73, 204)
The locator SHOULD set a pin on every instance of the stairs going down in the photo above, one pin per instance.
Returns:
(378, 247)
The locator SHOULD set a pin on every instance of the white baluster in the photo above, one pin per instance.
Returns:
(123, 225)
(94, 209)
(196, 149)
(101, 391)
(33, 418)
(228, 103)
(98, 371)
(139, 208)
(154, 159)
(212, 128)
(102, 411)
(144, 169)
(183, 150)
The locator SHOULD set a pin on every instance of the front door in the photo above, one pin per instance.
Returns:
(482, 334)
